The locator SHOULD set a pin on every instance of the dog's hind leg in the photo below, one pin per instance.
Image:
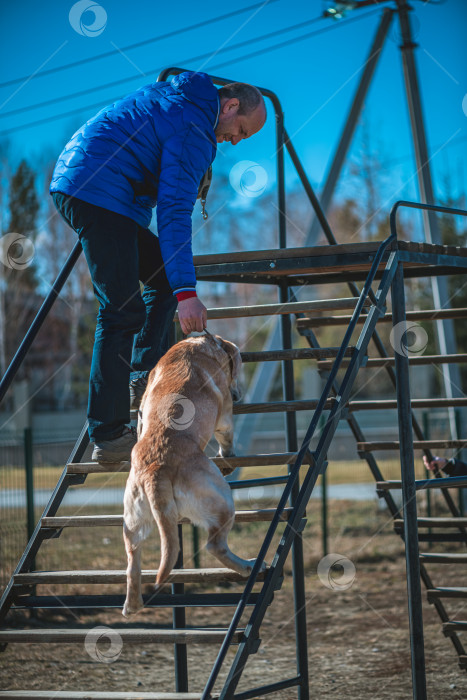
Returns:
(217, 545)
(217, 506)
(137, 525)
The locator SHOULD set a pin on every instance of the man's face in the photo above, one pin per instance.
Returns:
(234, 127)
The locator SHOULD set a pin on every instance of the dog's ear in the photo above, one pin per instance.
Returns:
(234, 356)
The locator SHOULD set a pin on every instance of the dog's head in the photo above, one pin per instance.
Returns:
(235, 363)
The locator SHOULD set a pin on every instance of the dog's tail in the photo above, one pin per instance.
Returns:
(165, 513)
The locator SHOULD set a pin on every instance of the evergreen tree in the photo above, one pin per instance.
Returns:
(23, 208)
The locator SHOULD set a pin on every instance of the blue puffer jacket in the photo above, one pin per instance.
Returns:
(151, 147)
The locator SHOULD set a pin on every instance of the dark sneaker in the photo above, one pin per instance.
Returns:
(137, 389)
(117, 450)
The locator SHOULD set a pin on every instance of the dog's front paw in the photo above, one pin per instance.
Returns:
(226, 452)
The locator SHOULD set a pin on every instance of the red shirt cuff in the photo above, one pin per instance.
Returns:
(181, 296)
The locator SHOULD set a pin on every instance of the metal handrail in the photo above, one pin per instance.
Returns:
(419, 205)
(39, 319)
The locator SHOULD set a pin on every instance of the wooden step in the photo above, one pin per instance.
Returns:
(435, 522)
(262, 460)
(282, 406)
(294, 354)
(129, 636)
(426, 315)
(119, 576)
(383, 404)
(278, 407)
(241, 256)
(241, 516)
(438, 592)
(22, 601)
(312, 306)
(458, 358)
(93, 695)
(417, 444)
(454, 626)
(444, 558)
(448, 482)
(441, 537)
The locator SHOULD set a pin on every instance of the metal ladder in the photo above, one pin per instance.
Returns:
(18, 593)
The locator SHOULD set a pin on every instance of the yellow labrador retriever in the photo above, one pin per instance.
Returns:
(188, 398)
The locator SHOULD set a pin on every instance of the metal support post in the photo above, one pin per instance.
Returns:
(179, 622)
(426, 432)
(351, 122)
(324, 496)
(179, 614)
(297, 547)
(291, 436)
(445, 328)
(409, 503)
(195, 540)
(462, 491)
(29, 469)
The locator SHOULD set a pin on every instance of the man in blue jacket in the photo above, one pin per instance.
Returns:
(150, 148)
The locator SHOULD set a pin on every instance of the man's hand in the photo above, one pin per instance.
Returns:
(436, 463)
(192, 315)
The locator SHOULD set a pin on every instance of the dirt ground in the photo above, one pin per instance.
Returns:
(358, 637)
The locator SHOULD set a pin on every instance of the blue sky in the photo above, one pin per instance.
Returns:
(315, 77)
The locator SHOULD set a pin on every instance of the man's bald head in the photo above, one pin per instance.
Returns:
(242, 112)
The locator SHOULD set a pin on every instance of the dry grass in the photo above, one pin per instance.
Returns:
(358, 638)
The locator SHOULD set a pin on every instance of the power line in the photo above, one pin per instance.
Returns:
(238, 59)
(145, 42)
(240, 44)
(291, 41)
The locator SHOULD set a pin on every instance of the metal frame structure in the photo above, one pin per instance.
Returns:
(384, 276)
(445, 328)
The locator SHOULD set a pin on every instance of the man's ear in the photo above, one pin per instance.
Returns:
(231, 104)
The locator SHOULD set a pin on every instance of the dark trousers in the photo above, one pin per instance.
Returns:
(133, 328)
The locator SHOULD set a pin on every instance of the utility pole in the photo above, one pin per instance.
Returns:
(446, 338)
